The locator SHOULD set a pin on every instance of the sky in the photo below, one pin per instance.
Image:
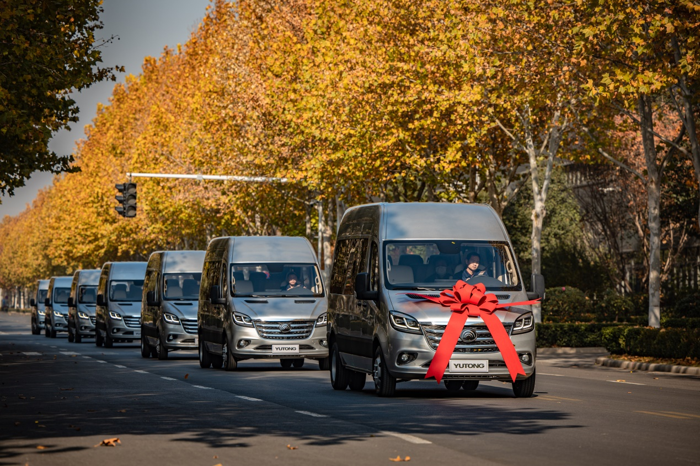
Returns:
(144, 27)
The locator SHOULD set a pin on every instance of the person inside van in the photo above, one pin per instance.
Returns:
(441, 272)
(293, 282)
(471, 269)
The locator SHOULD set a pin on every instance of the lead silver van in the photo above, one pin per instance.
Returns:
(56, 306)
(261, 298)
(118, 310)
(387, 254)
(81, 305)
(169, 304)
(37, 305)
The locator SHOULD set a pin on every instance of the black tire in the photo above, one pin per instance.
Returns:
(524, 388)
(52, 332)
(109, 342)
(286, 363)
(217, 361)
(162, 350)
(357, 381)
(340, 376)
(229, 362)
(470, 385)
(145, 347)
(71, 337)
(324, 364)
(204, 356)
(298, 363)
(384, 382)
(99, 341)
(78, 336)
(453, 385)
(47, 332)
(35, 327)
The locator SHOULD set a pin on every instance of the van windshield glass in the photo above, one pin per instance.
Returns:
(60, 295)
(41, 297)
(87, 294)
(180, 286)
(276, 280)
(125, 290)
(439, 264)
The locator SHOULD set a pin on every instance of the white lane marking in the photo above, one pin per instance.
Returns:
(167, 378)
(87, 357)
(202, 387)
(247, 398)
(308, 413)
(623, 381)
(120, 367)
(70, 353)
(101, 362)
(32, 353)
(140, 372)
(553, 375)
(407, 437)
(54, 347)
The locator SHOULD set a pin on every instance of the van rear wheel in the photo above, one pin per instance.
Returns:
(98, 338)
(204, 356)
(109, 342)
(340, 376)
(286, 363)
(47, 332)
(384, 383)
(298, 363)
(524, 388)
(145, 347)
(78, 336)
(470, 384)
(453, 385)
(324, 364)
(35, 328)
(229, 362)
(357, 381)
(71, 338)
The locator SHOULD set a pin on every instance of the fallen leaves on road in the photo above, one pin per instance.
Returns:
(398, 459)
(122, 411)
(21, 397)
(41, 447)
(620, 380)
(186, 375)
(218, 464)
(71, 426)
(291, 447)
(216, 457)
(109, 442)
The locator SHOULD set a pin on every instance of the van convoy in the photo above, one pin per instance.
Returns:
(384, 313)
(81, 305)
(169, 307)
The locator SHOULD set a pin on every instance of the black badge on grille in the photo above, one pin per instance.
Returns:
(284, 328)
(468, 335)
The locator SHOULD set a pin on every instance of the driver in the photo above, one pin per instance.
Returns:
(471, 269)
(293, 282)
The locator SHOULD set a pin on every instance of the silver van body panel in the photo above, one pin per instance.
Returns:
(244, 249)
(183, 261)
(53, 321)
(127, 270)
(38, 311)
(85, 327)
(128, 328)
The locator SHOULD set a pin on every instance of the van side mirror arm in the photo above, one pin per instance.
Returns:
(100, 300)
(151, 299)
(362, 290)
(215, 295)
(47, 302)
(70, 301)
(32, 302)
(537, 287)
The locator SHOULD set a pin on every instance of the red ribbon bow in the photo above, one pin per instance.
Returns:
(465, 300)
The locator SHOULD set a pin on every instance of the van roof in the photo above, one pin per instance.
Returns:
(183, 261)
(127, 271)
(440, 220)
(88, 277)
(289, 249)
(62, 281)
(44, 284)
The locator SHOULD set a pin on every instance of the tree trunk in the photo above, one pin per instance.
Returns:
(327, 254)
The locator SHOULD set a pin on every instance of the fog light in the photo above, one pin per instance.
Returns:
(405, 358)
(324, 343)
(526, 358)
(243, 343)
(115, 330)
(171, 337)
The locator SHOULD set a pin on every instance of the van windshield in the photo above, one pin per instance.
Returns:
(60, 295)
(439, 264)
(41, 296)
(87, 294)
(125, 290)
(276, 280)
(181, 286)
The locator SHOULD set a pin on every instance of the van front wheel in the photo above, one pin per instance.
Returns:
(230, 363)
(384, 383)
(524, 388)
(162, 350)
(204, 356)
(145, 347)
(340, 376)
(324, 364)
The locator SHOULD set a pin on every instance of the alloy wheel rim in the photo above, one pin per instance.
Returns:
(377, 372)
(224, 353)
(333, 367)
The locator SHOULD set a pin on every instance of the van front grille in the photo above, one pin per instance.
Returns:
(289, 330)
(190, 325)
(132, 322)
(484, 342)
(93, 320)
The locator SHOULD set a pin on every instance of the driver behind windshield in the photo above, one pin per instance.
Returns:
(293, 282)
(441, 272)
(471, 270)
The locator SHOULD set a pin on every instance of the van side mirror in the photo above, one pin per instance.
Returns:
(151, 299)
(70, 301)
(215, 295)
(100, 300)
(47, 302)
(362, 290)
(32, 302)
(537, 287)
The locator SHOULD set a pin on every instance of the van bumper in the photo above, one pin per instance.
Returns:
(314, 347)
(59, 324)
(176, 338)
(85, 328)
(416, 345)
(118, 330)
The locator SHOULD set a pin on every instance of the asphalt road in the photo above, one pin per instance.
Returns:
(59, 400)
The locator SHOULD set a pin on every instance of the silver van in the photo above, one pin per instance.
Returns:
(387, 254)
(56, 306)
(118, 310)
(37, 305)
(261, 297)
(169, 304)
(81, 305)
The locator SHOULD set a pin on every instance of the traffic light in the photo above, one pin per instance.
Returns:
(127, 199)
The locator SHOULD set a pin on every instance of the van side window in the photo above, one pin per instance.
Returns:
(356, 263)
(374, 267)
(224, 282)
(340, 266)
(151, 282)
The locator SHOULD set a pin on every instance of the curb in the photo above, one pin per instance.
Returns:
(647, 366)
(571, 351)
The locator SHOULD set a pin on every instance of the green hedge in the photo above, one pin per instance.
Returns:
(573, 335)
(677, 322)
(673, 343)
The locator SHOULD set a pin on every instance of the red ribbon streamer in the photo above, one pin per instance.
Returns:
(465, 300)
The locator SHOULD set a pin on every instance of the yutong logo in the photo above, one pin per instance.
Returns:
(286, 348)
(468, 335)
(469, 365)
(285, 328)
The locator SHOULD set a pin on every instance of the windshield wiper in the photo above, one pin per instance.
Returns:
(419, 288)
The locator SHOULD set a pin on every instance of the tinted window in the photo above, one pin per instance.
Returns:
(276, 279)
(179, 286)
(340, 266)
(41, 296)
(60, 295)
(356, 262)
(125, 290)
(87, 294)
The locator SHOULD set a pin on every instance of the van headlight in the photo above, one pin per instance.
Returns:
(523, 324)
(171, 318)
(404, 323)
(57, 314)
(322, 320)
(242, 319)
(41, 313)
(83, 315)
(115, 315)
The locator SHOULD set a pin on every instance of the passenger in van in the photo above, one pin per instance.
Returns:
(471, 270)
(293, 282)
(441, 272)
